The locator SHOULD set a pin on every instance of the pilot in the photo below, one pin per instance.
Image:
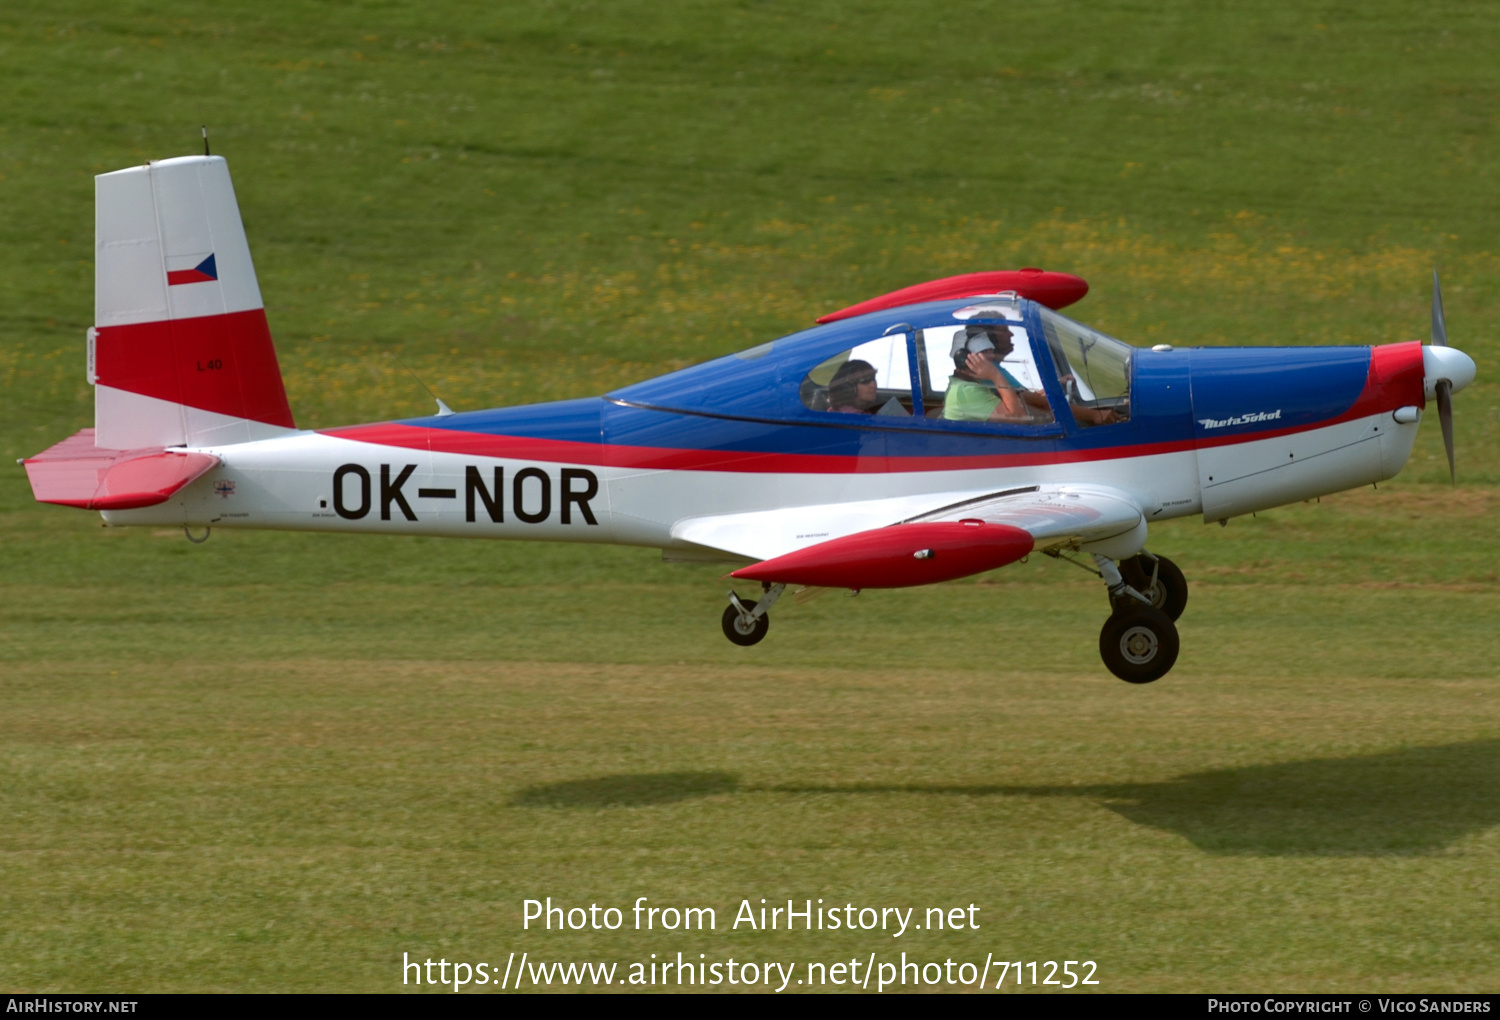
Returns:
(852, 389)
(977, 352)
(981, 390)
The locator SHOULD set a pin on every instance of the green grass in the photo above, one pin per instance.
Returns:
(279, 761)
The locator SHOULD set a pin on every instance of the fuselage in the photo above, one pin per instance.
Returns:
(1217, 432)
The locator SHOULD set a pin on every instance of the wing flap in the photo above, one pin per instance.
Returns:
(763, 534)
(75, 472)
(1055, 516)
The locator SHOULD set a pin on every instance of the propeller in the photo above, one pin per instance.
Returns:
(1446, 370)
(1444, 388)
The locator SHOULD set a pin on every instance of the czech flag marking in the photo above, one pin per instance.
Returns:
(203, 272)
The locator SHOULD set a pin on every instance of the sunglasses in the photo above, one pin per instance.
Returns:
(864, 380)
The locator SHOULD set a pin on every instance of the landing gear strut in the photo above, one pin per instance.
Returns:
(1157, 578)
(1139, 641)
(745, 620)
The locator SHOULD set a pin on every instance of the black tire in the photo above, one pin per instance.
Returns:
(1139, 645)
(1169, 594)
(734, 628)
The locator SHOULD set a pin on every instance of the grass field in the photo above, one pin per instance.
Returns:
(277, 762)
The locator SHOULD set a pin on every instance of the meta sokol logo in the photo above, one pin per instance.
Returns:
(533, 494)
(1244, 419)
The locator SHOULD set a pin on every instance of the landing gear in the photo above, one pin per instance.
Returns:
(745, 620)
(741, 626)
(1157, 578)
(1146, 593)
(1139, 645)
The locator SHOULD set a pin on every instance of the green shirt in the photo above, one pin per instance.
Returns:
(973, 401)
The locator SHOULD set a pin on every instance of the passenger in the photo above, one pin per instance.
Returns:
(981, 390)
(852, 389)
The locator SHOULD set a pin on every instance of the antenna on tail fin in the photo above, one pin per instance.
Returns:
(205, 141)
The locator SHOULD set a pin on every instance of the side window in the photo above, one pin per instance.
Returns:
(982, 372)
(1094, 370)
(872, 378)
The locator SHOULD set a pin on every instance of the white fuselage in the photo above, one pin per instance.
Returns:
(289, 483)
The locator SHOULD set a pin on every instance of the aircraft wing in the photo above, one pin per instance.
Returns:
(1056, 516)
(914, 539)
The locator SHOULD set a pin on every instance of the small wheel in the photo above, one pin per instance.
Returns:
(1139, 645)
(1170, 592)
(736, 630)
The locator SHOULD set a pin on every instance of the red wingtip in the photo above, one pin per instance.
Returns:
(1055, 290)
(899, 556)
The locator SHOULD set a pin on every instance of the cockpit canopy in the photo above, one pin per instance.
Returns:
(1000, 363)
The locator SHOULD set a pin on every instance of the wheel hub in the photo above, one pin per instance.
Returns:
(1138, 645)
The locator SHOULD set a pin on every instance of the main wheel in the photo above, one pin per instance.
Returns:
(1169, 593)
(1139, 645)
(736, 630)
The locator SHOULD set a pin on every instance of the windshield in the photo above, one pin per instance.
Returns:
(1099, 365)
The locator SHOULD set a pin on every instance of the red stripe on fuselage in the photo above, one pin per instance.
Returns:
(1395, 380)
(483, 444)
(478, 444)
(220, 363)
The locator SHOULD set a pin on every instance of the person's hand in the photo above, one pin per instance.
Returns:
(983, 368)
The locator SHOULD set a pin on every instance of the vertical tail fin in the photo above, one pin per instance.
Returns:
(180, 354)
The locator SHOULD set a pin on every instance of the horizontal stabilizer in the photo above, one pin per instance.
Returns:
(75, 472)
(898, 556)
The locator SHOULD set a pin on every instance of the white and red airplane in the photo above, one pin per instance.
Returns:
(933, 433)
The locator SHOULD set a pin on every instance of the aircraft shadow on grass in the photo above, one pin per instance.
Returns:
(1410, 802)
(628, 791)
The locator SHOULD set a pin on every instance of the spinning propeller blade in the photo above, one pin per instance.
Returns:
(1439, 331)
(1444, 388)
(1445, 418)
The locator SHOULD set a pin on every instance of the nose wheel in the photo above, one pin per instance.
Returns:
(743, 627)
(745, 620)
